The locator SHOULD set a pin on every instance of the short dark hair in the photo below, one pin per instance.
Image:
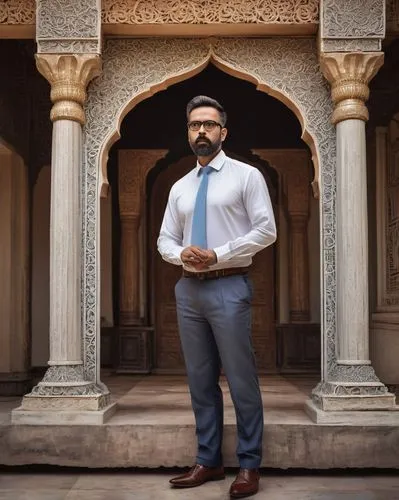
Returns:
(202, 100)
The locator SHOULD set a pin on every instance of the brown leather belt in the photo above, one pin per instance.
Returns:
(217, 273)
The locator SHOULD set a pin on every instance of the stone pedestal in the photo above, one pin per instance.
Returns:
(351, 383)
(64, 390)
(14, 275)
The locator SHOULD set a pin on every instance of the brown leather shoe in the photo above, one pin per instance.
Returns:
(245, 484)
(197, 475)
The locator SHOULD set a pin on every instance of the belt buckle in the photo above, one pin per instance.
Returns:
(201, 276)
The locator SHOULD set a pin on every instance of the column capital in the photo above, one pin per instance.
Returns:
(68, 75)
(349, 74)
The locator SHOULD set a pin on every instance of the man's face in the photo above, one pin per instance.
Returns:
(206, 142)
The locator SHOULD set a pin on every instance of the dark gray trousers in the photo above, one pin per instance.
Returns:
(214, 319)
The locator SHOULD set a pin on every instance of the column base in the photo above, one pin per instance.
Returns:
(23, 416)
(352, 396)
(14, 384)
(64, 397)
(389, 416)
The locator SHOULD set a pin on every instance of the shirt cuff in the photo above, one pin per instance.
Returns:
(223, 253)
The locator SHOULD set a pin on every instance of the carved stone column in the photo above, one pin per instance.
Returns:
(64, 386)
(133, 166)
(352, 383)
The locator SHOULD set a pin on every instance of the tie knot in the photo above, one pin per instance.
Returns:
(206, 170)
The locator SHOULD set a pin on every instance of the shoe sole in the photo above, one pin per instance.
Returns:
(243, 495)
(216, 478)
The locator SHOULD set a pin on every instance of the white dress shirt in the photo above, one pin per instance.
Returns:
(239, 217)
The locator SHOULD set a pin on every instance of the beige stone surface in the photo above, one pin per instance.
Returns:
(154, 427)
(154, 485)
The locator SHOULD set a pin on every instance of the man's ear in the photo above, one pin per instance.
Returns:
(224, 133)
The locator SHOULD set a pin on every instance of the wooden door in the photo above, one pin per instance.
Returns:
(167, 352)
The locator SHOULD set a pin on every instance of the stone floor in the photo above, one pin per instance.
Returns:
(154, 427)
(150, 485)
(155, 398)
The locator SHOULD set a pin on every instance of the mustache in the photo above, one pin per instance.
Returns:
(202, 139)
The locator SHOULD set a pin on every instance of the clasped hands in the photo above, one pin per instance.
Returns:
(198, 258)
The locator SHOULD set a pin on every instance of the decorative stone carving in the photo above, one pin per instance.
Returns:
(134, 68)
(65, 378)
(69, 46)
(72, 27)
(352, 19)
(349, 75)
(352, 376)
(70, 20)
(209, 11)
(68, 76)
(17, 12)
(350, 45)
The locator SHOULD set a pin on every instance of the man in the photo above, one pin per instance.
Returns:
(217, 217)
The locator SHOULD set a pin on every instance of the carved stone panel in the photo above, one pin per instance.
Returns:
(17, 12)
(209, 11)
(72, 27)
(352, 19)
(351, 26)
(154, 12)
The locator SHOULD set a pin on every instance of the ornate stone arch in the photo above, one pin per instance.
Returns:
(134, 69)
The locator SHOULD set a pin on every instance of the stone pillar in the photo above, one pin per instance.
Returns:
(349, 75)
(64, 387)
(133, 167)
(352, 383)
(14, 275)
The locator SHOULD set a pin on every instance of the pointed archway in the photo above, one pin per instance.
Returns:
(136, 69)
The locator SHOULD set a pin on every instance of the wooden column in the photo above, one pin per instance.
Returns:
(14, 275)
(297, 202)
(295, 173)
(133, 165)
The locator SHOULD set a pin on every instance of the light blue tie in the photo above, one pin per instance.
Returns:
(198, 231)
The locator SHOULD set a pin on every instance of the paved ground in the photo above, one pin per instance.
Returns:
(59, 484)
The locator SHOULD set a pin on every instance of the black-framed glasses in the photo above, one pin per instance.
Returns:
(209, 125)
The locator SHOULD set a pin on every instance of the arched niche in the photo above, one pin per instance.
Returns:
(135, 69)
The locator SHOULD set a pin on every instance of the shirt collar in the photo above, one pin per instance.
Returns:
(217, 162)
